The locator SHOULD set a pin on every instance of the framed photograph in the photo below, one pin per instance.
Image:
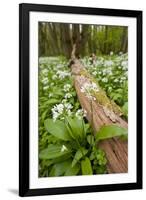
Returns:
(80, 99)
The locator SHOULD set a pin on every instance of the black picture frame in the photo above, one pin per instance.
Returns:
(24, 10)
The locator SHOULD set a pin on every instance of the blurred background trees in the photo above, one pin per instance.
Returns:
(58, 38)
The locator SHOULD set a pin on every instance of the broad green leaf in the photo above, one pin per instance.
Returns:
(76, 127)
(72, 171)
(90, 139)
(59, 169)
(52, 101)
(58, 129)
(53, 151)
(79, 154)
(62, 158)
(110, 131)
(86, 167)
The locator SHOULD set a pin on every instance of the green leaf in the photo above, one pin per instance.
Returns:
(52, 101)
(58, 129)
(60, 168)
(90, 139)
(86, 167)
(72, 171)
(87, 128)
(125, 108)
(53, 151)
(78, 155)
(76, 126)
(62, 158)
(110, 131)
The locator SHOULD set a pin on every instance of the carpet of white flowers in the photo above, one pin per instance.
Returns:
(58, 99)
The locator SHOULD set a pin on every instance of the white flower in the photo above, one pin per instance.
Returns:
(108, 63)
(69, 113)
(45, 72)
(64, 148)
(111, 53)
(68, 96)
(109, 89)
(52, 84)
(50, 95)
(59, 109)
(68, 106)
(123, 78)
(45, 80)
(98, 63)
(54, 77)
(55, 115)
(105, 80)
(45, 87)
(107, 71)
(81, 113)
(63, 74)
(116, 80)
(88, 88)
(124, 64)
(94, 73)
(67, 87)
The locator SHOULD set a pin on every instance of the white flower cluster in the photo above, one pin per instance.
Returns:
(94, 73)
(108, 63)
(45, 80)
(54, 77)
(46, 87)
(68, 96)
(67, 87)
(88, 88)
(107, 71)
(121, 80)
(124, 64)
(81, 113)
(63, 74)
(105, 80)
(45, 72)
(59, 110)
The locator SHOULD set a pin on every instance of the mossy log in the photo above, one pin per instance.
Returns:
(102, 111)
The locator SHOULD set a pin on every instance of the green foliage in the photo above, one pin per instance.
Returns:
(56, 39)
(111, 72)
(78, 155)
(86, 166)
(53, 151)
(125, 109)
(110, 131)
(75, 151)
(57, 129)
(67, 145)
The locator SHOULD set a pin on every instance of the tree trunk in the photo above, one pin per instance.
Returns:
(124, 40)
(98, 115)
(66, 39)
(84, 40)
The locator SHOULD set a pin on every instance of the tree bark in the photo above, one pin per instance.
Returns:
(116, 149)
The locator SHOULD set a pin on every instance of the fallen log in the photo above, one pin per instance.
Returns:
(101, 111)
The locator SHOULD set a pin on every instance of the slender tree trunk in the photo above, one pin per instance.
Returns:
(124, 40)
(76, 38)
(84, 40)
(105, 39)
